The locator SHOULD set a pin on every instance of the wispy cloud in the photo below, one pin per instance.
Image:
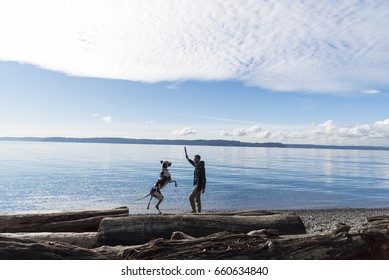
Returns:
(148, 122)
(310, 46)
(371, 91)
(174, 85)
(184, 132)
(221, 119)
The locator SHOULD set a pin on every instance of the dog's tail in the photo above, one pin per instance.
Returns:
(143, 197)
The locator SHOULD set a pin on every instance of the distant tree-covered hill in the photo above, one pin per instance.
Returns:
(231, 143)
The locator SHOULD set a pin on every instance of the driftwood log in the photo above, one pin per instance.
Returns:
(370, 241)
(133, 230)
(48, 250)
(80, 239)
(74, 221)
(225, 245)
(375, 233)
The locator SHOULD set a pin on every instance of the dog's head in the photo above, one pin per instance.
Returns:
(165, 164)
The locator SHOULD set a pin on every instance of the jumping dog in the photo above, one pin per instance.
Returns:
(163, 180)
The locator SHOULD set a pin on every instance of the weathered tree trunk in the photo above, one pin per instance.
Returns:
(73, 221)
(141, 229)
(225, 245)
(369, 241)
(80, 239)
(376, 235)
(48, 250)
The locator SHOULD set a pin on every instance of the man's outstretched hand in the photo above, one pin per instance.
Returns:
(186, 154)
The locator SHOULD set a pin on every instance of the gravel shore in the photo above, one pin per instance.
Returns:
(322, 220)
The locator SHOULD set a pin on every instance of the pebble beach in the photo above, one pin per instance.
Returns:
(322, 220)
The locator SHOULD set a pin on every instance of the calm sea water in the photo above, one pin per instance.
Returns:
(71, 176)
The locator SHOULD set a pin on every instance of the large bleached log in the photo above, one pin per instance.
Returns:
(80, 239)
(140, 229)
(370, 241)
(48, 250)
(70, 221)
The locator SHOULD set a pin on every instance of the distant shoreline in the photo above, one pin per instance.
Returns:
(218, 143)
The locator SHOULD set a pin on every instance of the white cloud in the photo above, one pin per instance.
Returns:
(382, 124)
(184, 132)
(242, 132)
(253, 129)
(324, 133)
(107, 119)
(311, 46)
(364, 134)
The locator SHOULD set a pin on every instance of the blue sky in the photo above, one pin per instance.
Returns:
(256, 71)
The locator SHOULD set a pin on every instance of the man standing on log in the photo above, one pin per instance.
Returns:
(199, 181)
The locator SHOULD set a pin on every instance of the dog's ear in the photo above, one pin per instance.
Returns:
(161, 161)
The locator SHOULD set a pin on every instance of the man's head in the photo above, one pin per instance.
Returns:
(197, 158)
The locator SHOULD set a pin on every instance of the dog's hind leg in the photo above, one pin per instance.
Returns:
(148, 205)
(157, 206)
